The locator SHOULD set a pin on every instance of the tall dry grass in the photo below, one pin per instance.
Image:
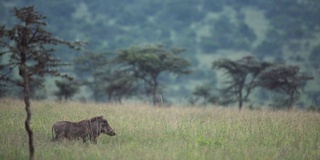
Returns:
(146, 132)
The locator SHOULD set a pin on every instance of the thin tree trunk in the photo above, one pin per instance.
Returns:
(154, 92)
(240, 104)
(291, 99)
(24, 74)
(240, 99)
(95, 94)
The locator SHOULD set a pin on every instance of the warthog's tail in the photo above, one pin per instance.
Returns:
(53, 138)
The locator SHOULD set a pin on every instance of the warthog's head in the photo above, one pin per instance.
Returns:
(106, 129)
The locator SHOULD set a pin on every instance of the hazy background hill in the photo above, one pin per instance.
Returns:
(285, 31)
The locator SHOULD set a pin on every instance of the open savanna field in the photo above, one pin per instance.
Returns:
(146, 132)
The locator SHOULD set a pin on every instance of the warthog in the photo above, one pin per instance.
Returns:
(86, 129)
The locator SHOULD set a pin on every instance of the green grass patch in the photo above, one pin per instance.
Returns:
(145, 132)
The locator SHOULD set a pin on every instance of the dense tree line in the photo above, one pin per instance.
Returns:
(291, 29)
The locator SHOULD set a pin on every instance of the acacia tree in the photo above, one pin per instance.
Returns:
(102, 76)
(119, 85)
(90, 68)
(242, 76)
(147, 63)
(29, 48)
(202, 94)
(67, 89)
(284, 79)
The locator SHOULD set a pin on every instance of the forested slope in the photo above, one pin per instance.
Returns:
(284, 31)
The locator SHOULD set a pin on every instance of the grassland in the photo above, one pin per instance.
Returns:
(145, 132)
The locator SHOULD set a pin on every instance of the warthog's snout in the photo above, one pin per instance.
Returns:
(111, 133)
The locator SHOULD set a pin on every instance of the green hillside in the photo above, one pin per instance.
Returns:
(284, 32)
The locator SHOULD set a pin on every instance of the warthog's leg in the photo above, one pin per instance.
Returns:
(59, 136)
(68, 136)
(84, 139)
(94, 140)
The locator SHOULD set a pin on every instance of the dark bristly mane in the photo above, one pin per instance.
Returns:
(89, 120)
(96, 118)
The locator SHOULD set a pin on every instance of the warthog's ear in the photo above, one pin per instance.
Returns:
(100, 117)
